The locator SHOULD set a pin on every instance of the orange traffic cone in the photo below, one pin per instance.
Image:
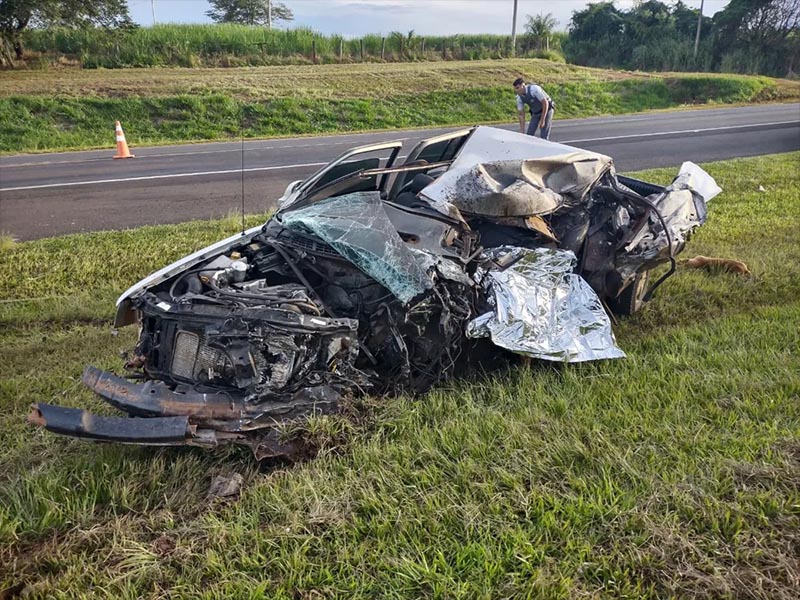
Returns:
(122, 145)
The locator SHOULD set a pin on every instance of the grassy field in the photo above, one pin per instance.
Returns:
(672, 473)
(75, 109)
(234, 45)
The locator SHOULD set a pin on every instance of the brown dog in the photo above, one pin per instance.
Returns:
(718, 264)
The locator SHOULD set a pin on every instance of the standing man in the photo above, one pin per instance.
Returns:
(540, 105)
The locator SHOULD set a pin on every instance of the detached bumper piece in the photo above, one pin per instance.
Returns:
(75, 422)
(165, 417)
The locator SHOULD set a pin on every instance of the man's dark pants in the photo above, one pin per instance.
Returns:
(544, 132)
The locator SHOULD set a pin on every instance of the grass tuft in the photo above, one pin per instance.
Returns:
(6, 242)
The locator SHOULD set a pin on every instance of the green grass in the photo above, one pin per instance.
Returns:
(6, 242)
(76, 109)
(229, 44)
(672, 473)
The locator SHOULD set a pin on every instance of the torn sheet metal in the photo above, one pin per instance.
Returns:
(442, 267)
(505, 174)
(695, 178)
(223, 410)
(683, 208)
(542, 309)
(357, 227)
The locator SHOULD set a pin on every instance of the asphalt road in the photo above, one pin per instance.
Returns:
(55, 194)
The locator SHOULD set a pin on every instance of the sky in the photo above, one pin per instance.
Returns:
(355, 18)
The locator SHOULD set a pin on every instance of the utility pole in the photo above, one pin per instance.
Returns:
(153, 6)
(514, 31)
(269, 14)
(697, 36)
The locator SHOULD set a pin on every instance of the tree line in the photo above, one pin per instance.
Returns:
(747, 36)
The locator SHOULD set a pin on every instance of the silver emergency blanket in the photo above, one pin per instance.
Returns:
(505, 174)
(683, 207)
(542, 309)
(357, 227)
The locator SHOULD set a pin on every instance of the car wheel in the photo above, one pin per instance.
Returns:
(631, 299)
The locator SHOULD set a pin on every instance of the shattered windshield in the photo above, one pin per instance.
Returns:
(357, 227)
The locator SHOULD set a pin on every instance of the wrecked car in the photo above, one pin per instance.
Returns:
(386, 274)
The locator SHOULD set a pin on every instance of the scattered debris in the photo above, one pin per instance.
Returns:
(381, 278)
(225, 486)
(164, 545)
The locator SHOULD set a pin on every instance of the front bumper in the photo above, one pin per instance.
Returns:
(162, 416)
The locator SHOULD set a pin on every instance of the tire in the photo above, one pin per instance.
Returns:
(631, 300)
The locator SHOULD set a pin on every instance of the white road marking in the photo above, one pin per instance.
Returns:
(662, 133)
(317, 164)
(353, 139)
(150, 177)
(251, 146)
